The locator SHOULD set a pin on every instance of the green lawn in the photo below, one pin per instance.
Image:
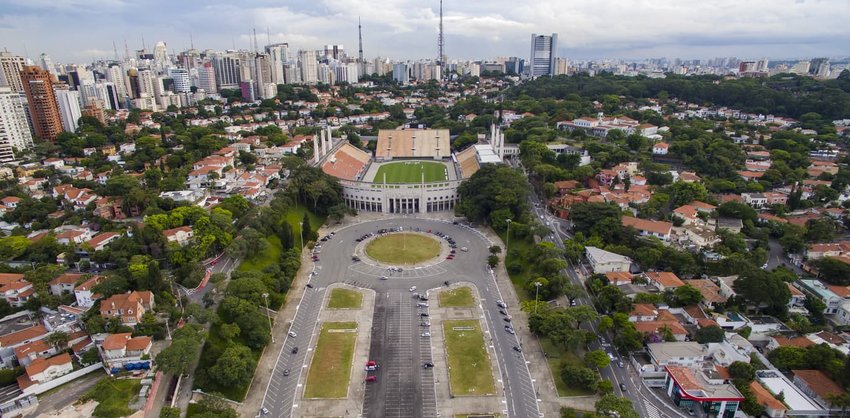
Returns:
(520, 251)
(411, 172)
(557, 357)
(113, 396)
(330, 369)
(457, 298)
(295, 215)
(269, 256)
(345, 299)
(403, 248)
(469, 365)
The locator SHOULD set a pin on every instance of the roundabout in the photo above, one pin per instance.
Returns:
(403, 248)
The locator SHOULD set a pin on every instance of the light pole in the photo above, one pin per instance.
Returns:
(271, 333)
(508, 243)
(536, 293)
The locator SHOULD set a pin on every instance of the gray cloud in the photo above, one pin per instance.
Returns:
(80, 30)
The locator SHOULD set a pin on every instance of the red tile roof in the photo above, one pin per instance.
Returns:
(666, 278)
(657, 227)
(765, 398)
(818, 382)
(15, 338)
(40, 364)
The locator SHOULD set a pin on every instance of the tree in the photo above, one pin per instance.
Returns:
(492, 260)
(820, 230)
(710, 334)
(743, 371)
(235, 366)
(597, 359)
(763, 290)
(306, 229)
(687, 295)
(58, 340)
(169, 412)
(612, 405)
(583, 376)
(177, 358)
(832, 271)
(585, 216)
(493, 189)
(212, 406)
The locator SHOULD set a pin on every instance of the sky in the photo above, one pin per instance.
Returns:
(82, 30)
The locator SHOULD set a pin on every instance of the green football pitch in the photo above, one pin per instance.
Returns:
(411, 172)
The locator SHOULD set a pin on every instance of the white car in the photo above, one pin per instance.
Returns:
(426, 334)
(412, 288)
(292, 334)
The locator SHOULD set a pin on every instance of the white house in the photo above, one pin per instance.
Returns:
(660, 148)
(119, 349)
(181, 235)
(43, 370)
(602, 261)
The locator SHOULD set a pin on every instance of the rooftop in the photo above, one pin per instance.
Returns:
(662, 352)
(794, 397)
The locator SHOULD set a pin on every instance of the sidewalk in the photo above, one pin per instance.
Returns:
(547, 395)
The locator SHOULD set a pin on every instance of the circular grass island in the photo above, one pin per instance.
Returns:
(403, 248)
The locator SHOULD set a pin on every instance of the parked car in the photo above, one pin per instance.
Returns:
(292, 334)
(428, 365)
(286, 372)
(426, 334)
(372, 378)
(294, 350)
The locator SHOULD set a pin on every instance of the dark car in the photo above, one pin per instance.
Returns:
(294, 350)
(446, 282)
(423, 314)
(286, 372)
(502, 311)
(310, 285)
(517, 349)
(428, 365)
(623, 387)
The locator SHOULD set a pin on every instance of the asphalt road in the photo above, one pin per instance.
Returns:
(403, 387)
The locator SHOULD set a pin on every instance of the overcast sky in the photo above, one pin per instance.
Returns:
(80, 30)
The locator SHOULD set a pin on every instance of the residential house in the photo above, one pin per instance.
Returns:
(618, 278)
(688, 214)
(689, 354)
(13, 340)
(602, 261)
(756, 200)
(816, 288)
(181, 235)
(643, 312)
(100, 241)
(118, 349)
(664, 280)
(44, 370)
(773, 408)
(797, 299)
(734, 225)
(128, 307)
(659, 229)
(711, 295)
(27, 353)
(817, 385)
(64, 283)
(73, 236)
(84, 294)
(10, 202)
(15, 289)
(660, 148)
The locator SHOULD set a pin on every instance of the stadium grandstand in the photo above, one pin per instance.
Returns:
(413, 143)
(347, 162)
(467, 160)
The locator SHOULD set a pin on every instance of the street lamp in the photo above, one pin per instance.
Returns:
(271, 333)
(536, 293)
(508, 243)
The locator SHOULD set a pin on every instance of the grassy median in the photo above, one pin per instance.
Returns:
(345, 299)
(330, 369)
(457, 298)
(469, 366)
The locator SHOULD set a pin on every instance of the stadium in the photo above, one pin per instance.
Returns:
(412, 171)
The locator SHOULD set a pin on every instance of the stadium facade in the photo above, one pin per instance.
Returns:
(356, 170)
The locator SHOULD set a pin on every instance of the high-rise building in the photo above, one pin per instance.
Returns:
(278, 56)
(11, 66)
(401, 73)
(181, 79)
(160, 53)
(336, 52)
(562, 66)
(801, 68)
(115, 75)
(326, 74)
(95, 109)
(47, 63)
(69, 107)
(309, 67)
(41, 100)
(227, 70)
(14, 128)
(146, 83)
(206, 77)
(543, 50)
(514, 65)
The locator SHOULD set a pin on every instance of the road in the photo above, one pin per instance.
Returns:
(778, 258)
(646, 402)
(403, 388)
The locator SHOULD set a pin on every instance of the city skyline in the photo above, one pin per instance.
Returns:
(405, 30)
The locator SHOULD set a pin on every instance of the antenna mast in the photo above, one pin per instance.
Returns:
(441, 44)
(360, 51)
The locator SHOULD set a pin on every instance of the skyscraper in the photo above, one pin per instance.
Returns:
(47, 63)
(181, 79)
(336, 52)
(14, 128)
(41, 100)
(278, 56)
(69, 107)
(309, 67)
(543, 49)
(227, 70)
(401, 73)
(11, 66)
(206, 78)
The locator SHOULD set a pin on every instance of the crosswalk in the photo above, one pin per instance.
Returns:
(407, 272)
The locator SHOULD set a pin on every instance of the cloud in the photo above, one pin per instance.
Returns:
(407, 29)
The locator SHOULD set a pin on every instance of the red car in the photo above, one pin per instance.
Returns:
(371, 378)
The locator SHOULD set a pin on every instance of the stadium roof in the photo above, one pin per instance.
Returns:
(422, 143)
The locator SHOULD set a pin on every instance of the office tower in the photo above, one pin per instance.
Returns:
(47, 63)
(95, 109)
(401, 73)
(326, 74)
(262, 70)
(543, 50)
(336, 52)
(747, 67)
(309, 67)
(763, 65)
(115, 75)
(347, 73)
(514, 65)
(268, 91)
(228, 72)
(102, 90)
(383, 66)
(14, 128)
(11, 66)
(181, 79)
(133, 83)
(278, 56)
(291, 73)
(41, 101)
(69, 107)
(206, 78)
